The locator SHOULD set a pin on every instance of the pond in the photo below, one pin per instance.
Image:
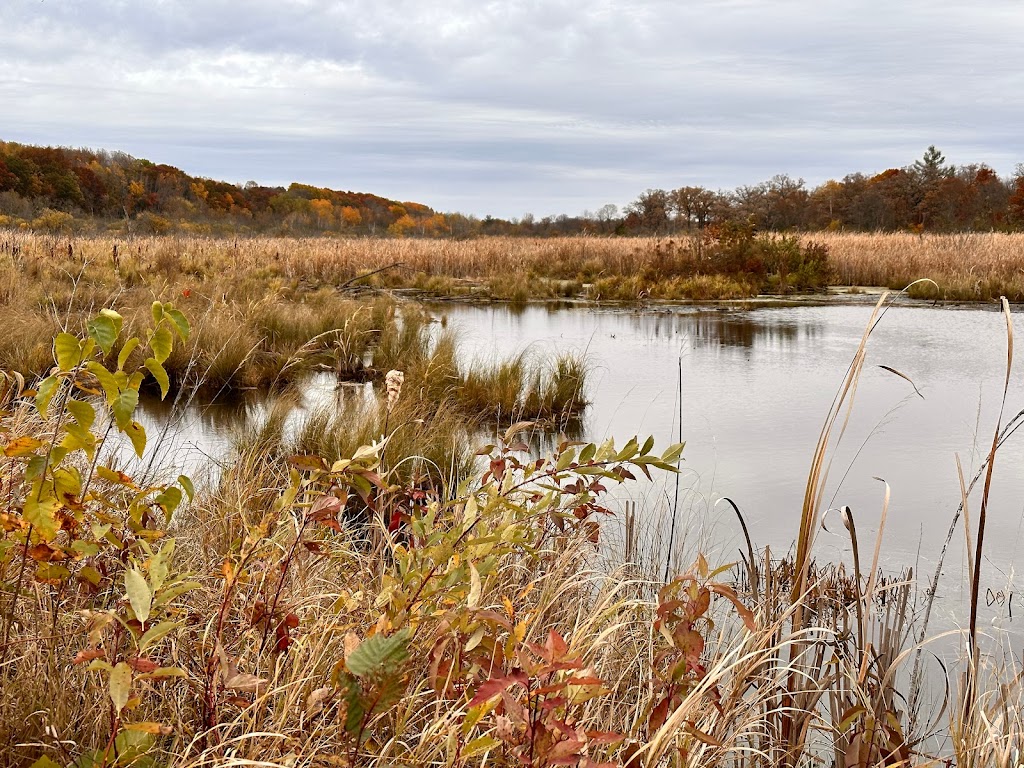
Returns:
(756, 386)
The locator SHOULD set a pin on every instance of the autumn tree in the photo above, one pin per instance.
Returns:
(649, 213)
(1015, 201)
(693, 206)
(351, 217)
(323, 210)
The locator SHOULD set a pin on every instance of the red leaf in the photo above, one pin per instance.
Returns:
(325, 508)
(142, 665)
(555, 646)
(729, 594)
(605, 737)
(659, 714)
(491, 688)
(88, 654)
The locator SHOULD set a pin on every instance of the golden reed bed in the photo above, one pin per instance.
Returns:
(966, 266)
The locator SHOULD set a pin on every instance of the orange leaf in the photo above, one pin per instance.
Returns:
(88, 654)
(143, 665)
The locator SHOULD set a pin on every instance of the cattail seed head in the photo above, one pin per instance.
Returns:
(393, 384)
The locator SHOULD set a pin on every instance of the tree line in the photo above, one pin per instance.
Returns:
(64, 189)
(928, 195)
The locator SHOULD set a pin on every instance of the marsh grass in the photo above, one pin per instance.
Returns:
(973, 266)
(465, 574)
(290, 300)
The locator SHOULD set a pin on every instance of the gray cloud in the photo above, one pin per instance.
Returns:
(506, 107)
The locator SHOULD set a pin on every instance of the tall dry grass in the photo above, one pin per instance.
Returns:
(965, 266)
(336, 611)
(971, 266)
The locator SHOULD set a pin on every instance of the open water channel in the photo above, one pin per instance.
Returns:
(756, 387)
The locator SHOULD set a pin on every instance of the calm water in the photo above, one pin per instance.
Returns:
(756, 387)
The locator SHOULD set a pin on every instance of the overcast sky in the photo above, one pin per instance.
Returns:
(542, 106)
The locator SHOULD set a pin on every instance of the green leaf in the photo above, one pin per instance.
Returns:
(106, 379)
(672, 453)
(161, 342)
(103, 329)
(44, 394)
(169, 500)
(51, 572)
(158, 312)
(131, 746)
(91, 575)
(85, 548)
(120, 685)
(138, 593)
(156, 633)
(137, 434)
(565, 460)
(78, 438)
(159, 565)
(126, 351)
(379, 653)
(587, 454)
(44, 762)
(67, 351)
(355, 708)
(177, 590)
(82, 412)
(629, 450)
(124, 406)
(114, 317)
(186, 483)
(180, 323)
(160, 375)
(35, 468)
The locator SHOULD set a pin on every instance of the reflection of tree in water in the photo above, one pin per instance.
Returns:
(728, 329)
(542, 439)
(221, 416)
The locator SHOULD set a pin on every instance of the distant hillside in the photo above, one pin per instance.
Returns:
(58, 189)
(64, 189)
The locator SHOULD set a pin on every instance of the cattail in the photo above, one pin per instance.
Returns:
(393, 383)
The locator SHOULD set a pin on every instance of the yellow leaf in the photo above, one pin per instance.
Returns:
(42, 513)
(480, 745)
(473, 599)
(520, 631)
(120, 684)
(157, 729)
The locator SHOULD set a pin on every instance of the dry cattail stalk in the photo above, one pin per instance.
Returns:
(393, 383)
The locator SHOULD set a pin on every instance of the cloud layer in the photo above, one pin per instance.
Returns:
(545, 106)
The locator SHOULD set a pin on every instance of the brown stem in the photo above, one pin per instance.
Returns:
(9, 617)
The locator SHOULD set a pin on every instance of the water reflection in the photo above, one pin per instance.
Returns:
(745, 330)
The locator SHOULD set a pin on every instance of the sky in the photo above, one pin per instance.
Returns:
(507, 108)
